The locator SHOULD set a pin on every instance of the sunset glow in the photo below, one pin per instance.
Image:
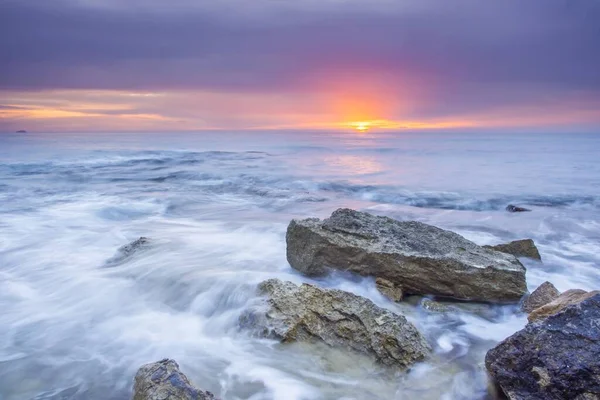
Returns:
(91, 110)
(316, 70)
(361, 126)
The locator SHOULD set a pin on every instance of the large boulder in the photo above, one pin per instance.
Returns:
(566, 299)
(519, 248)
(556, 358)
(340, 319)
(544, 294)
(420, 258)
(163, 380)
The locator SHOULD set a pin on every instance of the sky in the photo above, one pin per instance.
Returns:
(167, 65)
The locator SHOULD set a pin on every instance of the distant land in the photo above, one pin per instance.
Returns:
(22, 131)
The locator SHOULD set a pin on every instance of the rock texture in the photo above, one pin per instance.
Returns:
(519, 248)
(128, 250)
(389, 289)
(566, 299)
(513, 208)
(337, 318)
(435, 306)
(163, 380)
(420, 258)
(557, 358)
(544, 294)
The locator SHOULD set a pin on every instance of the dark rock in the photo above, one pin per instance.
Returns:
(128, 250)
(566, 299)
(420, 258)
(544, 294)
(512, 208)
(163, 380)
(340, 319)
(519, 248)
(557, 358)
(389, 289)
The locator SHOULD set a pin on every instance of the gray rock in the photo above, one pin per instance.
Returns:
(519, 248)
(128, 250)
(436, 306)
(568, 298)
(163, 380)
(340, 319)
(389, 289)
(544, 294)
(557, 358)
(420, 258)
(512, 208)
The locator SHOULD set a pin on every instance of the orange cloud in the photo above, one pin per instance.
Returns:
(354, 105)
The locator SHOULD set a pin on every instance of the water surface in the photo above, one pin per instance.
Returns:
(216, 206)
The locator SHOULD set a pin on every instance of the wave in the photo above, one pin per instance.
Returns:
(453, 200)
(248, 176)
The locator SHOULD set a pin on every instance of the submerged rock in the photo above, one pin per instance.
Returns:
(544, 294)
(389, 289)
(513, 208)
(566, 299)
(163, 380)
(339, 319)
(519, 248)
(128, 250)
(557, 358)
(436, 306)
(420, 258)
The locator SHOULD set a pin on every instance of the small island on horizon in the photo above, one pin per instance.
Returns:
(22, 131)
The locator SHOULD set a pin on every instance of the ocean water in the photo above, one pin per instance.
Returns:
(76, 324)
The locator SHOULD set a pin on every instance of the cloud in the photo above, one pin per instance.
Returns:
(416, 59)
(238, 44)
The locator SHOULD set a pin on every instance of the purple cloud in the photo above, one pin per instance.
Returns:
(466, 54)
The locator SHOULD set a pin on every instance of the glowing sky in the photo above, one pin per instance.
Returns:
(114, 65)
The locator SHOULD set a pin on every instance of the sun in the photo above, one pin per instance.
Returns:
(361, 126)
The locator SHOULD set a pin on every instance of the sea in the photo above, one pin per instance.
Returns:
(75, 324)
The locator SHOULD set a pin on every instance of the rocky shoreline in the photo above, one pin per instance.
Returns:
(556, 356)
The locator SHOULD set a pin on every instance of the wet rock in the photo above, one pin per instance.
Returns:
(435, 306)
(544, 294)
(128, 250)
(340, 319)
(420, 258)
(556, 358)
(513, 208)
(566, 299)
(519, 248)
(389, 289)
(163, 380)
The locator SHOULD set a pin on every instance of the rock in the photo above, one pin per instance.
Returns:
(544, 294)
(389, 289)
(132, 247)
(163, 380)
(519, 248)
(566, 299)
(512, 208)
(435, 306)
(339, 319)
(557, 358)
(128, 250)
(420, 258)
